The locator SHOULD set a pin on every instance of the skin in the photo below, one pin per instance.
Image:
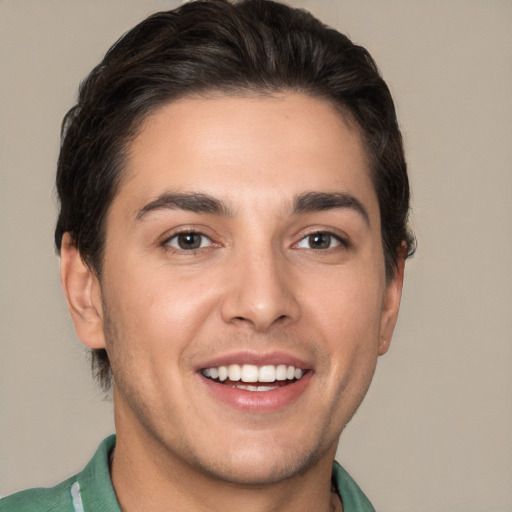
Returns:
(254, 287)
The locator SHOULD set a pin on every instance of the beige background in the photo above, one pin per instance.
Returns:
(435, 432)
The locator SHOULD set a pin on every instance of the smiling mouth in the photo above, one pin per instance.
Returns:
(250, 377)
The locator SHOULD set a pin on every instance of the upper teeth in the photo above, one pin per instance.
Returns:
(253, 373)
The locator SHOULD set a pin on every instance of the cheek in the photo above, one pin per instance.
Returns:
(157, 312)
(347, 314)
(348, 307)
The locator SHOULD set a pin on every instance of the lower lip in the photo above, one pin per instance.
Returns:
(258, 401)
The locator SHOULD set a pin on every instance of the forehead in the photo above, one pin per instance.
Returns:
(239, 146)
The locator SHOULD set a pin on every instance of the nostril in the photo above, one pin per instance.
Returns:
(245, 319)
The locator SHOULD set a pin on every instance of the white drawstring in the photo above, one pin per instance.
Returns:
(77, 498)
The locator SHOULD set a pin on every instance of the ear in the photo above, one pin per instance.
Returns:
(391, 306)
(83, 295)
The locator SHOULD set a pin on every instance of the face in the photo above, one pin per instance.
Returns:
(243, 297)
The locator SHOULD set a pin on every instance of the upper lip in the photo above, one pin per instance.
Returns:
(255, 358)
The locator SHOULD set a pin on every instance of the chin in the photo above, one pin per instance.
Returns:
(257, 466)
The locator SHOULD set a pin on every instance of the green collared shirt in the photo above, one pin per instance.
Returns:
(92, 491)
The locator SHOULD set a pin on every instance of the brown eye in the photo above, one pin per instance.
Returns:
(319, 241)
(189, 241)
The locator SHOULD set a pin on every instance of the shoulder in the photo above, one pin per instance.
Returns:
(91, 489)
(54, 499)
(353, 498)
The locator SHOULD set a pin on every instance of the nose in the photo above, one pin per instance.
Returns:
(260, 292)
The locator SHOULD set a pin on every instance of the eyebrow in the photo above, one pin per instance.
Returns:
(320, 201)
(204, 203)
(192, 202)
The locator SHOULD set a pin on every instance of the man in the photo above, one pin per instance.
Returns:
(232, 233)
